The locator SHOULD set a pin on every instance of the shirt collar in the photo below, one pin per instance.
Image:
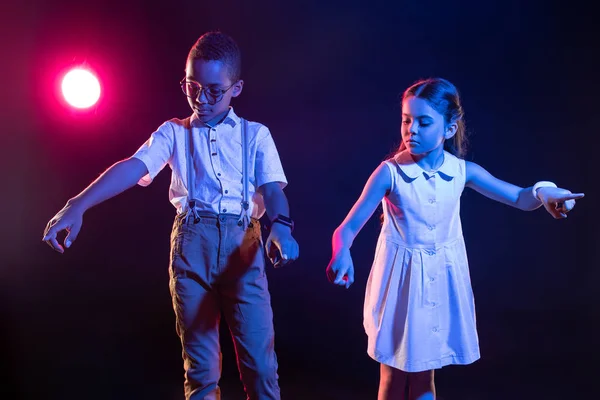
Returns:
(230, 119)
(410, 168)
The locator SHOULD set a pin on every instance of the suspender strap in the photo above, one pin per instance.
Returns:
(189, 146)
(244, 220)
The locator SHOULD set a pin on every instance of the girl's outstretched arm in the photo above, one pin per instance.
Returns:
(340, 270)
(557, 201)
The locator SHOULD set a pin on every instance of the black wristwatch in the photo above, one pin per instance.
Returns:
(282, 219)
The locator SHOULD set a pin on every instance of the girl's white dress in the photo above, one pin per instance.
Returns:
(419, 312)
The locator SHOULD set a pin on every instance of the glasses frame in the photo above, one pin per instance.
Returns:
(209, 96)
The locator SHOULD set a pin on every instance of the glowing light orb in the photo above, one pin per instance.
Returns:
(80, 88)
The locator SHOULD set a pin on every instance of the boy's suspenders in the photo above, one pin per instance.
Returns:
(244, 220)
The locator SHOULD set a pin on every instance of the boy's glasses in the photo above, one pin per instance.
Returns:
(194, 89)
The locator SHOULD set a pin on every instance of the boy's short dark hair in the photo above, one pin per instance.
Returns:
(220, 47)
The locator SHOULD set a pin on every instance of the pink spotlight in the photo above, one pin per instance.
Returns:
(80, 88)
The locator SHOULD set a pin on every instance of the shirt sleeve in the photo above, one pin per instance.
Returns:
(156, 152)
(268, 165)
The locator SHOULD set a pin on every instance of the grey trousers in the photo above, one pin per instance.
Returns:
(217, 269)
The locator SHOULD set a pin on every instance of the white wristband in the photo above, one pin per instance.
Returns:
(541, 184)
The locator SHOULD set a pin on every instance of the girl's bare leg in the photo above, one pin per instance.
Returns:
(392, 383)
(421, 385)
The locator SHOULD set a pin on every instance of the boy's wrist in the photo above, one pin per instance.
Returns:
(77, 203)
(282, 220)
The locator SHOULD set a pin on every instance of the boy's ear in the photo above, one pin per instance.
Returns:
(236, 90)
(450, 131)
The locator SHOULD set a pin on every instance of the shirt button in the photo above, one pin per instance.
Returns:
(433, 304)
(224, 210)
(431, 201)
(218, 174)
(435, 329)
(431, 227)
(431, 279)
(227, 191)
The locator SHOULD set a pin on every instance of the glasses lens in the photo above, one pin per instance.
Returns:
(190, 89)
(214, 92)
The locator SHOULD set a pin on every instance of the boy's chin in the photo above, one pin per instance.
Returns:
(209, 116)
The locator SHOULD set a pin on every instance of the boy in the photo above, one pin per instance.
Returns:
(217, 264)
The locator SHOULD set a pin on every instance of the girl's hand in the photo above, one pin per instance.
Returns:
(340, 270)
(558, 202)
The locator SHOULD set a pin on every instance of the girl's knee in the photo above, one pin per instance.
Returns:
(421, 385)
(421, 378)
(392, 383)
(392, 374)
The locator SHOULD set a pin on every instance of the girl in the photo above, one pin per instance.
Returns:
(419, 312)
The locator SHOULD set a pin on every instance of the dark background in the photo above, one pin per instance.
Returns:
(325, 77)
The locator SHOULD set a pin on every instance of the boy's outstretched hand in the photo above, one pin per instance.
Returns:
(340, 270)
(68, 219)
(558, 202)
(281, 247)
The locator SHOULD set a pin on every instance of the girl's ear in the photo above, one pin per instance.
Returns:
(450, 130)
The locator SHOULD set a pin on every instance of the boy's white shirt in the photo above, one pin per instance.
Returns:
(217, 161)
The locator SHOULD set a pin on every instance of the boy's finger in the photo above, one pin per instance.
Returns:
(72, 235)
(283, 261)
(52, 242)
(49, 232)
(46, 230)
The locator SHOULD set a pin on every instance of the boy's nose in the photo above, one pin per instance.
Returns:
(201, 98)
